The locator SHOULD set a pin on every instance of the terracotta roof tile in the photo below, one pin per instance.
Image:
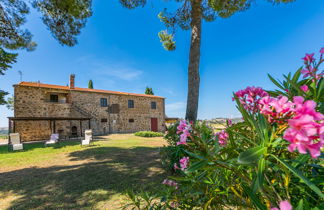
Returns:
(37, 84)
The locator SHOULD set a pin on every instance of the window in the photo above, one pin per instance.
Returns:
(104, 120)
(131, 120)
(114, 109)
(103, 102)
(130, 103)
(53, 98)
(153, 105)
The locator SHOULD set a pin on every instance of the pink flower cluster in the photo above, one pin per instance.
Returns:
(222, 137)
(306, 128)
(304, 88)
(170, 183)
(229, 122)
(284, 205)
(250, 97)
(311, 67)
(183, 129)
(276, 109)
(183, 164)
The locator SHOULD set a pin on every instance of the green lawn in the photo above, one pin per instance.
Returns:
(68, 176)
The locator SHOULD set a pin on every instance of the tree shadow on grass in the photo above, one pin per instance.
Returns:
(111, 170)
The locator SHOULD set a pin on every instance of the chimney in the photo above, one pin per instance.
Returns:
(72, 77)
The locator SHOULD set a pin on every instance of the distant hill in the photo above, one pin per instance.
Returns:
(3, 130)
(220, 123)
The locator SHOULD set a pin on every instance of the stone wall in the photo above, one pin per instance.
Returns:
(33, 130)
(119, 122)
(34, 102)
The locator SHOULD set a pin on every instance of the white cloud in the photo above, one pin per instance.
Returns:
(124, 73)
(175, 106)
(176, 109)
(123, 70)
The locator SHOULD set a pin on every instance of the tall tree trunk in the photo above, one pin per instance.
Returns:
(194, 60)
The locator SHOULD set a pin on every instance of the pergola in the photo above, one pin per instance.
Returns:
(52, 121)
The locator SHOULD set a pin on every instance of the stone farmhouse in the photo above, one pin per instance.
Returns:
(42, 109)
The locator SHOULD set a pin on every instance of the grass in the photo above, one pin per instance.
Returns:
(68, 176)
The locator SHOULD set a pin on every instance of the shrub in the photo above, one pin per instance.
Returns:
(148, 134)
(270, 159)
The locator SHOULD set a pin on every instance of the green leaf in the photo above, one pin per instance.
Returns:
(274, 81)
(300, 161)
(297, 75)
(320, 88)
(259, 181)
(196, 166)
(301, 176)
(300, 205)
(254, 198)
(251, 156)
(195, 155)
(294, 85)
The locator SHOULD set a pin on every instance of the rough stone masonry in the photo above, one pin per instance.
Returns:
(108, 111)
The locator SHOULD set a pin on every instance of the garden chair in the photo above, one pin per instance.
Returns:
(53, 140)
(14, 142)
(87, 138)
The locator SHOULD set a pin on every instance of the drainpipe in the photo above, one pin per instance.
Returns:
(109, 105)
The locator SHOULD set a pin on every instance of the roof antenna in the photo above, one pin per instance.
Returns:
(20, 74)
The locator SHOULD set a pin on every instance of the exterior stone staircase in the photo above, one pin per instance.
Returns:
(82, 111)
(94, 118)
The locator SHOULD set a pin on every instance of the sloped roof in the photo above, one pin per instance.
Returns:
(61, 87)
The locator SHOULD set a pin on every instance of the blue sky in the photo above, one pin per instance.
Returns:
(119, 50)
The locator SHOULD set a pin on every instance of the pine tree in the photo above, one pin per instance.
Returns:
(90, 84)
(149, 91)
(189, 16)
(10, 103)
(66, 18)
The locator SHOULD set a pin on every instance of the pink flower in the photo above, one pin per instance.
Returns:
(229, 122)
(170, 183)
(322, 50)
(250, 97)
(175, 166)
(304, 88)
(308, 58)
(222, 137)
(284, 205)
(184, 163)
(276, 109)
(184, 129)
(309, 71)
(300, 134)
(307, 107)
(182, 126)
(174, 204)
(305, 133)
(281, 104)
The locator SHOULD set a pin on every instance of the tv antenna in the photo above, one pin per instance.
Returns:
(20, 74)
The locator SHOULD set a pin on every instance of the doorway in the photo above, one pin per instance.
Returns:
(154, 124)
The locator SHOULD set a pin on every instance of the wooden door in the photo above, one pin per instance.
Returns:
(154, 124)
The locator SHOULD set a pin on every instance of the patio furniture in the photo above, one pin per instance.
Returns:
(87, 137)
(15, 143)
(53, 140)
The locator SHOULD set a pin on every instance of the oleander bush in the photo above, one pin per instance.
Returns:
(148, 134)
(273, 158)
